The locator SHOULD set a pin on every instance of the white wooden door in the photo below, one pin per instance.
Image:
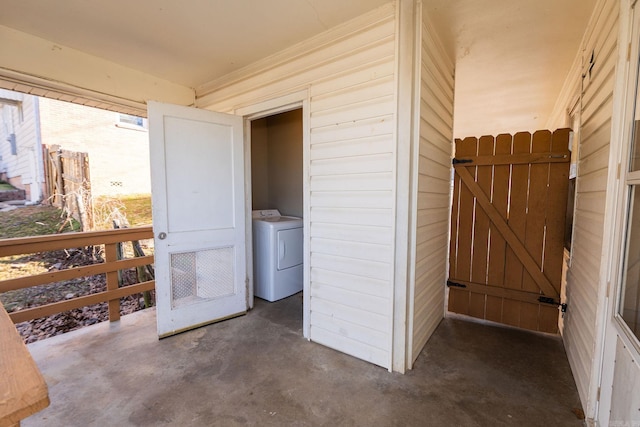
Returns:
(197, 181)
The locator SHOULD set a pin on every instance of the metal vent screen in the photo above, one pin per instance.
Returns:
(201, 275)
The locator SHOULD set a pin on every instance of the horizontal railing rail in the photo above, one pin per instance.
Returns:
(110, 267)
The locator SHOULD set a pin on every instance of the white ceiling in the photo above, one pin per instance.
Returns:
(186, 42)
(511, 55)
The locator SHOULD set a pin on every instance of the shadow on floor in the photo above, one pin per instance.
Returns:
(258, 370)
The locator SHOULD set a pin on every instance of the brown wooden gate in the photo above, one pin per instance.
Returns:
(507, 228)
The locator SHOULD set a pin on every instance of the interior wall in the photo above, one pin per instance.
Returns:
(285, 162)
(259, 165)
(276, 163)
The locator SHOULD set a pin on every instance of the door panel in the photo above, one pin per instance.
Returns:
(508, 213)
(290, 248)
(199, 161)
(198, 216)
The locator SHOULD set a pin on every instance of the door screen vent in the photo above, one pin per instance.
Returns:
(201, 275)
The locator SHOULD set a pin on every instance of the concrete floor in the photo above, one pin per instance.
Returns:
(258, 370)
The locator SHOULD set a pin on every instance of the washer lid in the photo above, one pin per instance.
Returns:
(265, 213)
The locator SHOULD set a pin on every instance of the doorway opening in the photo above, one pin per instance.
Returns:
(277, 204)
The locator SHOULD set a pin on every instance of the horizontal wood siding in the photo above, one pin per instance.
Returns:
(584, 273)
(434, 186)
(24, 169)
(350, 75)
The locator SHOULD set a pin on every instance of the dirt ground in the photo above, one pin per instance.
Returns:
(47, 220)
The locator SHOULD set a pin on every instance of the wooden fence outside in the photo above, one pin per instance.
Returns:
(111, 265)
(68, 183)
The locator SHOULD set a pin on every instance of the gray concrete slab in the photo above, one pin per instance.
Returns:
(258, 370)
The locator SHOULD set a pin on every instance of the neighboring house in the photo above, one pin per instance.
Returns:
(117, 144)
(20, 147)
(377, 102)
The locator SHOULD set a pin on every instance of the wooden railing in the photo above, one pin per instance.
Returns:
(110, 267)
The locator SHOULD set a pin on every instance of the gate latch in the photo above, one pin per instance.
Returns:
(548, 300)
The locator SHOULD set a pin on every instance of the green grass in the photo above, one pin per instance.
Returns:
(4, 186)
(135, 209)
(41, 220)
(33, 221)
(138, 210)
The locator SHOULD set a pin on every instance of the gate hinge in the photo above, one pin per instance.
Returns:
(458, 161)
(455, 285)
(549, 300)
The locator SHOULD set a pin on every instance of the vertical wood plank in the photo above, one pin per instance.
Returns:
(517, 222)
(497, 244)
(110, 255)
(452, 303)
(459, 298)
(511, 312)
(518, 209)
(479, 263)
(529, 316)
(477, 305)
(556, 210)
(536, 204)
(548, 320)
(535, 223)
(481, 225)
(453, 238)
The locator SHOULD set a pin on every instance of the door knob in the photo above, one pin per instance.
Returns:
(162, 236)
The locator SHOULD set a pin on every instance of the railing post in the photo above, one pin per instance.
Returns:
(111, 255)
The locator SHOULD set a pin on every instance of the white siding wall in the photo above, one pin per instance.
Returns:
(626, 388)
(349, 72)
(583, 277)
(24, 169)
(434, 186)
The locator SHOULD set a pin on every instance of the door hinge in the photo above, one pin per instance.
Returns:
(598, 394)
(629, 52)
(459, 161)
(618, 172)
(455, 285)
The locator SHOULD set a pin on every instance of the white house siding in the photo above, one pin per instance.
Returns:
(349, 72)
(583, 277)
(24, 169)
(434, 184)
(626, 388)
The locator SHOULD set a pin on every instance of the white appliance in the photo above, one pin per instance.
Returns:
(277, 254)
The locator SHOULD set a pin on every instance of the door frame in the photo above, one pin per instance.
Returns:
(258, 110)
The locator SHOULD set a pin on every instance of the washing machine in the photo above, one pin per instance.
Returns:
(277, 254)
